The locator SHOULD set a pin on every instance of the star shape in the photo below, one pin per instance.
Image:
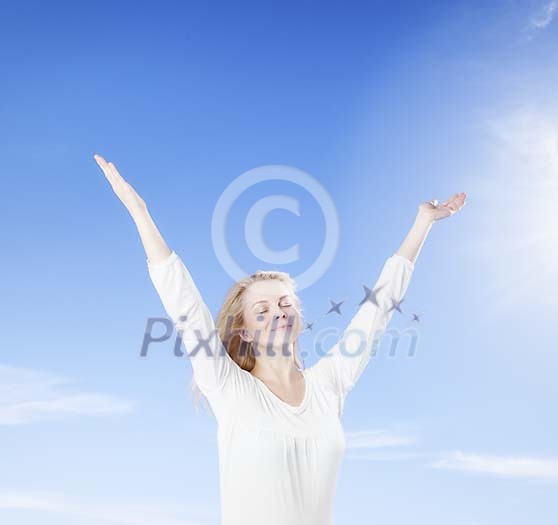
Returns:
(335, 306)
(309, 325)
(371, 294)
(395, 305)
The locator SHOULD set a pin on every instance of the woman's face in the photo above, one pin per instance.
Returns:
(270, 314)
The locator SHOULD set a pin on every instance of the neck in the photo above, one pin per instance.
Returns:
(279, 367)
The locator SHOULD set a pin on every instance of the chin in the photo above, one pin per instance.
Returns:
(280, 336)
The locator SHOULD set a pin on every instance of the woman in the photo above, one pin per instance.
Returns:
(280, 439)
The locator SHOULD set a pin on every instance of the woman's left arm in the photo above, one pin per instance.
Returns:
(428, 213)
(345, 362)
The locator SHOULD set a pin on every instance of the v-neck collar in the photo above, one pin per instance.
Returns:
(274, 396)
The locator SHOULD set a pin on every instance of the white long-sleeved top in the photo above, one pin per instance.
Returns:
(278, 463)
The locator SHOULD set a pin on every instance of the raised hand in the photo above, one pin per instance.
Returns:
(432, 211)
(124, 190)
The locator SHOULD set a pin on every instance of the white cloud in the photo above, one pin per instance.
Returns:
(382, 445)
(505, 466)
(540, 19)
(363, 440)
(385, 456)
(544, 15)
(528, 136)
(29, 395)
(376, 438)
(378, 445)
(103, 512)
(515, 223)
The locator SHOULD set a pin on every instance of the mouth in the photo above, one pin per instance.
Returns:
(282, 327)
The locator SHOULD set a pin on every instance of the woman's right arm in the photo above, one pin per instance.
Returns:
(178, 293)
(155, 247)
(183, 303)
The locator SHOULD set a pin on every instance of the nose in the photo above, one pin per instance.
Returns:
(278, 318)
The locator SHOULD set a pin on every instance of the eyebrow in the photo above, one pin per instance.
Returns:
(265, 301)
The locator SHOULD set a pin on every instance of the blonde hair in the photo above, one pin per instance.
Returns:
(230, 321)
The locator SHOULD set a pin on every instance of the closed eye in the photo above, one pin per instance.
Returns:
(283, 305)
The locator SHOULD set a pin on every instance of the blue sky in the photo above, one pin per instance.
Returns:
(386, 105)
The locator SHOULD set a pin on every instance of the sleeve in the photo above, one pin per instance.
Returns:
(344, 363)
(183, 303)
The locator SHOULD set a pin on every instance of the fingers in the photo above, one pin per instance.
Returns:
(450, 200)
(456, 198)
(113, 170)
(106, 170)
(458, 201)
(103, 164)
(455, 202)
(109, 169)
